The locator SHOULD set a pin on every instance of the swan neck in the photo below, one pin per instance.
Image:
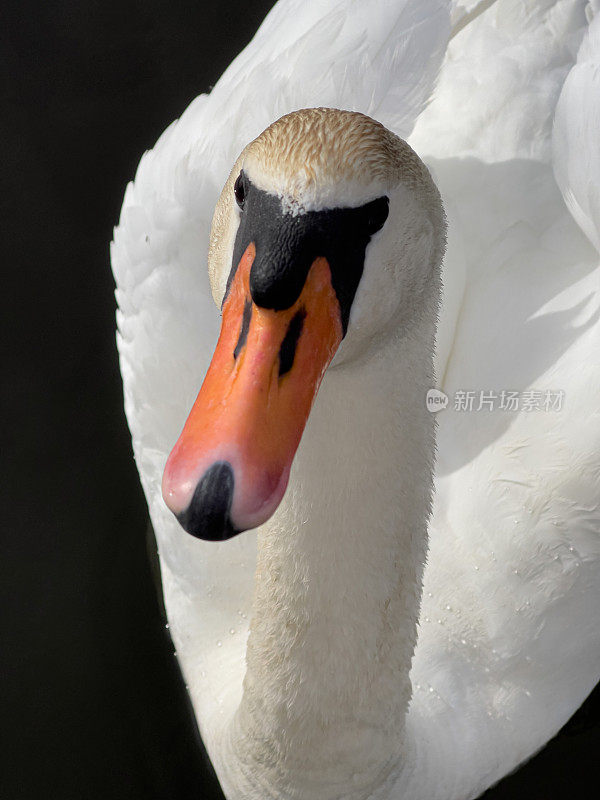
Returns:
(338, 580)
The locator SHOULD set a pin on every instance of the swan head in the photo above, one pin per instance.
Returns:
(328, 236)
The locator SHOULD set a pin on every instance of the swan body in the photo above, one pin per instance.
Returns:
(357, 684)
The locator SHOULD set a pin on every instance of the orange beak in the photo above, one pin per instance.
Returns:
(230, 467)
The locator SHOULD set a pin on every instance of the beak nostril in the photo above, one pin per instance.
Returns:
(247, 316)
(208, 514)
(287, 351)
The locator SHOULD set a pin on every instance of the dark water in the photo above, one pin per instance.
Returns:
(93, 704)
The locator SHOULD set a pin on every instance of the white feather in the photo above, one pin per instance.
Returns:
(509, 643)
(576, 126)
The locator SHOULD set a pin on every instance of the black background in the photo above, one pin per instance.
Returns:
(93, 705)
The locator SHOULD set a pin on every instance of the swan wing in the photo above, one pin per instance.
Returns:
(509, 644)
(495, 101)
(576, 155)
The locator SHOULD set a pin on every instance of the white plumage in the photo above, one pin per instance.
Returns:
(508, 641)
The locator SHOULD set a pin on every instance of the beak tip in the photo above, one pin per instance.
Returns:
(207, 532)
(208, 514)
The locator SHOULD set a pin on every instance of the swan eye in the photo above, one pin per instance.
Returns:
(377, 213)
(239, 190)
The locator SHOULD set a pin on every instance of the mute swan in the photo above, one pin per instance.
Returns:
(507, 640)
